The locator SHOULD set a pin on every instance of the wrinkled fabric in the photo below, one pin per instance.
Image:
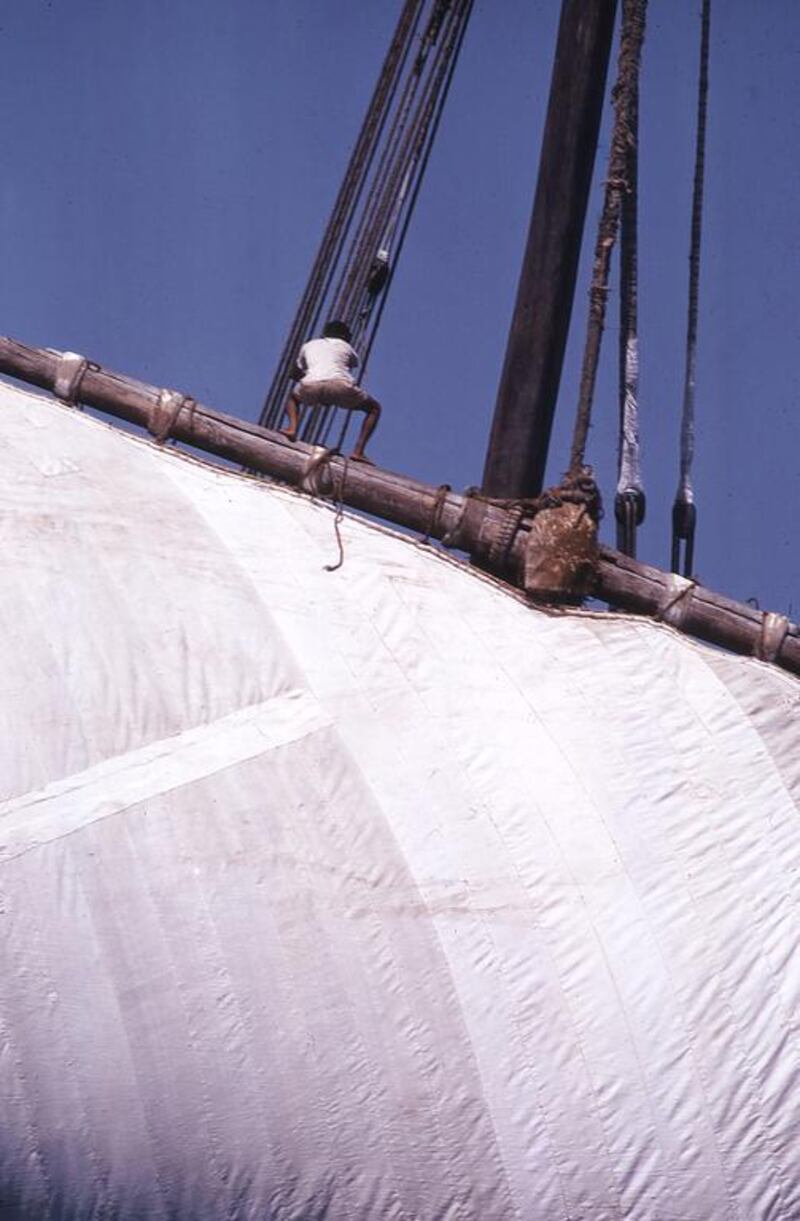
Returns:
(372, 893)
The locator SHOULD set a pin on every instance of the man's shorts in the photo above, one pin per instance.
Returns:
(335, 392)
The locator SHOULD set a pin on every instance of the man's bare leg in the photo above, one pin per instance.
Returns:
(292, 411)
(367, 429)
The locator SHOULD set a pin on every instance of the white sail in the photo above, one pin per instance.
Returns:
(370, 893)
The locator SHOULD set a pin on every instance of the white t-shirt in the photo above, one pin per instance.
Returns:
(324, 360)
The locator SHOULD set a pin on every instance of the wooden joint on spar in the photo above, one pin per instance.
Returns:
(561, 554)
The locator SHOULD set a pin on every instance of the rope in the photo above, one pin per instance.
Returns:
(436, 513)
(633, 21)
(165, 414)
(769, 642)
(675, 600)
(345, 207)
(577, 490)
(69, 373)
(684, 512)
(355, 261)
(394, 174)
(434, 128)
(366, 278)
(311, 482)
(629, 503)
(338, 519)
(391, 205)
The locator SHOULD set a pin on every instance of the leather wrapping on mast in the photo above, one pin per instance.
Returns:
(375, 893)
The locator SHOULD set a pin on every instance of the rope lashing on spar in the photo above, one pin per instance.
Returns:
(471, 496)
(437, 508)
(559, 551)
(165, 416)
(774, 630)
(629, 502)
(684, 512)
(631, 39)
(69, 374)
(675, 602)
(580, 489)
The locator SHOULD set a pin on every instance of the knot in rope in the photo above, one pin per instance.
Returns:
(576, 488)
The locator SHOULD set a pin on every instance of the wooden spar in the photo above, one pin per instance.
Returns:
(526, 398)
(468, 523)
(394, 497)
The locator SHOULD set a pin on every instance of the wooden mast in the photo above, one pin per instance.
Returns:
(526, 397)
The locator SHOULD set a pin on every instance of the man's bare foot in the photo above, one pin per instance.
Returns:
(289, 434)
(361, 458)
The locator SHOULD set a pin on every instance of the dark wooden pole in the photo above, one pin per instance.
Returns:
(526, 398)
(467, 523)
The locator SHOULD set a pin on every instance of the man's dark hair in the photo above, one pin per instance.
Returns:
(336, 329)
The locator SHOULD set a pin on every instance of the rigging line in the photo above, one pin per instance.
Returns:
(348, 193)
(632, 36)
(346, 279)
(629, 503)
(344, 208)
(373, 148)
(390, 153)
(467, 11)
(684, 511)
(345, 202)
(337, 519)
(399, 155)
(400, 171)
(407, 161)
(403, 175)
(317, 427)
(412, 164)
(364, 247)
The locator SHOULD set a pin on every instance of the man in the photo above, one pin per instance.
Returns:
(325, 368)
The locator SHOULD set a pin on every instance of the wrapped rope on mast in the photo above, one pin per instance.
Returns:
(630, 51)
(629, 502)
(684, 511)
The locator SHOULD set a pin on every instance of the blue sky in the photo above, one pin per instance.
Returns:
(169, 167)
